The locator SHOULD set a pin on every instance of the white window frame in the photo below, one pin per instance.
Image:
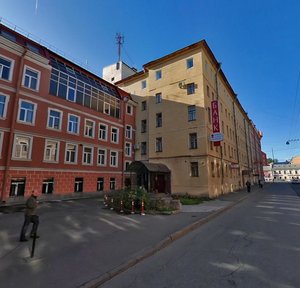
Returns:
(60, 119)
(106, 106)
(85, 155)
(30, 142)
(67, 95)
(5, 105)
(12, 62)
(113, 160)
(78, 126)
(34, 112)
(57, 151)
(144, 84)
(158, 74)
(76, 153)
(128, 131)
(114, 135)
(130, 108)
(189, 60)
(100, 132)
(87, 128)
(37, 78)
(128, 149)
(103, 157)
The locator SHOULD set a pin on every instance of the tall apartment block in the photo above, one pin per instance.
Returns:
(63, 130)
(186, 104)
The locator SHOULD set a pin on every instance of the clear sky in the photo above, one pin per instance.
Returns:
(258, 43)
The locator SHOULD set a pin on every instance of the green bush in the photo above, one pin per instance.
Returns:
(127, 195)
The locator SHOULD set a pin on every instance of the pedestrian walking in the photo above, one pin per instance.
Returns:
(248, 184)
(30, 216)
(260, 183)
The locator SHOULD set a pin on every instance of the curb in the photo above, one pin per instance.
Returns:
(162, 244)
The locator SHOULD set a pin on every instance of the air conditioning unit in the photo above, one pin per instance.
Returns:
(136, 146)
(182, 85)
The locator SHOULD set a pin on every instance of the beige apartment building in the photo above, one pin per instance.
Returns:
(174, 123)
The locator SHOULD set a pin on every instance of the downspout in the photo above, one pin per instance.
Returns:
(221, 147)
(12, 127)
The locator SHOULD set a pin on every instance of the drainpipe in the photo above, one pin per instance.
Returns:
(125, 100)
(221, 147)
(12, 126)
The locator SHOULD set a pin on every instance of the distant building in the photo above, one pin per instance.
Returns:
(63, 130)
(185, 104)
(287, 171)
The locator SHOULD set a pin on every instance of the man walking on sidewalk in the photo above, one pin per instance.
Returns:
(30, 217)
(248, 184)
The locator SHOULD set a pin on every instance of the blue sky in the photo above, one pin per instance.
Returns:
(258, 43)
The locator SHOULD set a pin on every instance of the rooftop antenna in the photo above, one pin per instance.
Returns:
(120, 41)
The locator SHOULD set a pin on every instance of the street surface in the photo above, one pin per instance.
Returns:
(80, 242)
(254, 244)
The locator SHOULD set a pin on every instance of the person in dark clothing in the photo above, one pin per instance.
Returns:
(260, 183)
(248, 184)
(30, 217)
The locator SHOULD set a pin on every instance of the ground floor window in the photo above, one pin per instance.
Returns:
(112, 184)
(194, 169)
(78, 184)
(48, 185)
(17, 187)
(100, 184)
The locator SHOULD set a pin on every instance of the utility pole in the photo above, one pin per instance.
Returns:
(120, 41)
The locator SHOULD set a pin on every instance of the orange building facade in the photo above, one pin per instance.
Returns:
(63, 130)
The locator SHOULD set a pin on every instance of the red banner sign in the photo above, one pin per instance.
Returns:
(215, 119)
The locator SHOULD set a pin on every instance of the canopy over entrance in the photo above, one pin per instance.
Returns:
(154, 177)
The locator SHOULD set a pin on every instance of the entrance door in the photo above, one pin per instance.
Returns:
(159, 183)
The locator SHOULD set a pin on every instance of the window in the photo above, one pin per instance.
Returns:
(73, 124)
(71, 94)
(158, 144)
(78, 187)
(48, 185)
(106, 108)
(190, 88)
(6, 67)
(212, 169)
(102, 157)
(114, 135)
(27, 112)
(51, 151)
(89, 128)
(194, 169)
(17, 187)
(158, 98)
(54, 119)
(87, 155)
(71, 153)
(31, 78)
(113, 158)
(143, 126)
(189, 63)
(144, 105)
(103, 132)
(144, 84)
(143, 148)
(129, 109)
(128, 149)
(128, 132)
(158, 119)
(112, 183)
(158, 74)
(192, 113)
(3, 105)
(193, 141)
(22, 147)
(100, 184)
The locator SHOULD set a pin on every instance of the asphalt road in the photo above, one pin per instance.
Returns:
(254, 244)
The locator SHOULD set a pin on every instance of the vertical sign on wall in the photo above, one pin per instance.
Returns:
(215, 119)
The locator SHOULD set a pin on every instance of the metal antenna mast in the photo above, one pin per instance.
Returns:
(120, 41)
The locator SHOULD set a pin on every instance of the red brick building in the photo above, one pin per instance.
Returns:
(63, 130)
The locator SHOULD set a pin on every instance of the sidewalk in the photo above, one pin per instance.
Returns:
(84, 245)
